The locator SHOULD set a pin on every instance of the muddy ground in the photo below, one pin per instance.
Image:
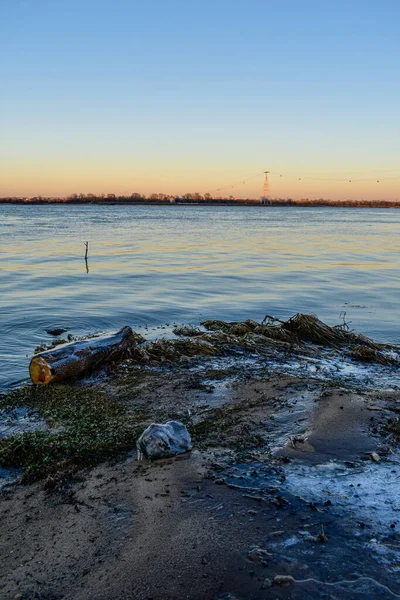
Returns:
(289, 476)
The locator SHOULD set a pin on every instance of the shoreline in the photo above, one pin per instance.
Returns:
(229, 203)
(290, 475)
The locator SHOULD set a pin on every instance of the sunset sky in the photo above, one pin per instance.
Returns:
(178, 95)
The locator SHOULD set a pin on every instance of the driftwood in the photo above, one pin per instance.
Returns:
(78, 358)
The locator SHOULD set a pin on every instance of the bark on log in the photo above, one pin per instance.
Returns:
(78, 358)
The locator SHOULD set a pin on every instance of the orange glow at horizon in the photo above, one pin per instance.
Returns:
(60, 179)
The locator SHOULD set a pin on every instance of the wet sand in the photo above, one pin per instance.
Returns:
(226, 519)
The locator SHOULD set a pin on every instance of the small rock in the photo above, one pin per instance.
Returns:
(284, 580)
(56, 332)
(258, 555)
(280, 500)
(375, 457)
(267, 583)
(219, 481)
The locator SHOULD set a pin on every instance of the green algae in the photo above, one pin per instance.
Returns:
(227, 426)
(90, 423)
(85, 426)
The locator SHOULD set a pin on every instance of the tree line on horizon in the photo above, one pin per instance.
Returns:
(192, 198)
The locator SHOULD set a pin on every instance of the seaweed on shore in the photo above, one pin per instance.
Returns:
(85, 426)
(163, 350)
(310, 329)
(187, 331)
(233, 327)
(278, 333)
(367, 354)
(299, 329)
(216, 325)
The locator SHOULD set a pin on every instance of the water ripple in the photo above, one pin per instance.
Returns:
(152, 265)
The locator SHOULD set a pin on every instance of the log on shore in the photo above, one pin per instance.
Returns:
(76, 359)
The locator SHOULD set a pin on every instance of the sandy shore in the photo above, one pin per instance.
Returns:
(279, 483)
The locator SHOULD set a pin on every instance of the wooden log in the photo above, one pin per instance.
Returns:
(75, 359)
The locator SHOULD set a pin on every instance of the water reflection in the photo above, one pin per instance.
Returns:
(159, 264)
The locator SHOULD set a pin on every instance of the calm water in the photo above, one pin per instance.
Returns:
(157, 265)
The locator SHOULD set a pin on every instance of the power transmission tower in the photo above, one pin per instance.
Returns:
(265, 190)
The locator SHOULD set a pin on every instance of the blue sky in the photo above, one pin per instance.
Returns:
(181, 96)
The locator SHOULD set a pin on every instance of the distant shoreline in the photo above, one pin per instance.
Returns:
(181, 202)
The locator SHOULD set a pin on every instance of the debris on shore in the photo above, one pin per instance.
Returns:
(89, 420)
(294, 459)
(75, 359)
(299, 334)
(164, 441)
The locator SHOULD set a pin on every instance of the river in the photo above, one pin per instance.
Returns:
(152, 266)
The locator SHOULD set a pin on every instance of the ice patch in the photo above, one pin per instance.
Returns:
(327, 366)
(368, 494)
(342, 369)
(19, 420)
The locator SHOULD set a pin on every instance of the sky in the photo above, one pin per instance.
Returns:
(180, 96)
